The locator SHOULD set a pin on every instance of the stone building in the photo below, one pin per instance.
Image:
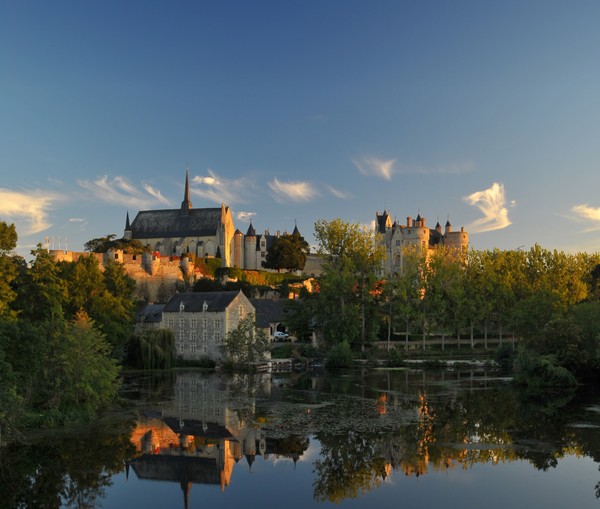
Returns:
(415, 233)
(201, 321)
(205, 232)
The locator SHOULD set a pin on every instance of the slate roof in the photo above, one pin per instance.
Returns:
(176, 223)
(151, 313)
(194, 302)
(268, 311)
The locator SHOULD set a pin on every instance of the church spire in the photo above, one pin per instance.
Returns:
(186, 204)
(127, 225)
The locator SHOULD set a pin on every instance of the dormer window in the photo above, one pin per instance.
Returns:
(181, 307)
(204, 307)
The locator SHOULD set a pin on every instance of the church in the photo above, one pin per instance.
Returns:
(203, 232)
(206, 232)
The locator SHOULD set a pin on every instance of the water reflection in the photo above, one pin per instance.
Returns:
(355, 431)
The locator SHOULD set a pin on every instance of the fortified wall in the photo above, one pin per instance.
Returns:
(157, 277)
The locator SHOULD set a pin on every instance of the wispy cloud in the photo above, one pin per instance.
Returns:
(120, 191)
(589, 214)
(337, 193)
(221, 190)
(295, 191)
(372, 166)
(245, 216)
(30, 206)
(492, 203)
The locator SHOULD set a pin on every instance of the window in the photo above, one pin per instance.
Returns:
(194, 323)
(170, 323)
(218, 336)
(205, 323)
(193, 337)
(217, 323)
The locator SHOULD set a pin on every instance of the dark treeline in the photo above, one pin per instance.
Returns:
(64, 327)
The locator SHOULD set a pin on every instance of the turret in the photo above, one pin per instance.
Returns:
(127, 231)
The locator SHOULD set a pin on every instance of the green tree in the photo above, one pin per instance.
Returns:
(9, 265)
(110, 242)
(348, 281)
(41, 291)
(246, 344)
(287, 252)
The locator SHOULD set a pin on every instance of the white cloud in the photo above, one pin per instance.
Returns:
(587, 213)
(295, 191)
(220, 190)
(492, 203)
(377, 167)
(386, 169)
(156, 193)
(76, 220)
(121, 192)
(245, 216)
(30, 206)
(337, 193)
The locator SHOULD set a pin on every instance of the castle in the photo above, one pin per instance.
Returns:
(395, 237)
(205, 232)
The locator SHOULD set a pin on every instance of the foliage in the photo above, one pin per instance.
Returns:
(287, 252)
(208, 266)
(538, 371)
(246, 344)
(111, 243)
(9, 268)
(339, 356)
(346, 286)
(152, 349)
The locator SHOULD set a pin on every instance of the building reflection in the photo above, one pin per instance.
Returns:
(205, 431)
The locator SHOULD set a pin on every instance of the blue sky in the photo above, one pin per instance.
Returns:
(483, 112)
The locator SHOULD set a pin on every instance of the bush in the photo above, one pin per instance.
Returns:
(395, 358)
(536, 371)
(340, 356)
(504, 357)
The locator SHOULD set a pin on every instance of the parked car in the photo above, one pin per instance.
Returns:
(280, 336)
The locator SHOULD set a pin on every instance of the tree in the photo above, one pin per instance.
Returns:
(8, 268)
(348, 280)
(110, 242)
(287, 252)
(41, 291)
(246, 344)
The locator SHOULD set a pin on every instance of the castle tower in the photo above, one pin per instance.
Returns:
(250, 248)
(238, 249)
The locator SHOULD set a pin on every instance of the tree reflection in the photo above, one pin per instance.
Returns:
(59, 470)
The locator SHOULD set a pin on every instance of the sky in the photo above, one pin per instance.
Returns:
(483, 113)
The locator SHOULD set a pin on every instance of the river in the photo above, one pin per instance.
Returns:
(460, 438)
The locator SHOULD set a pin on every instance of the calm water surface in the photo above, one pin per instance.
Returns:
(372, 438)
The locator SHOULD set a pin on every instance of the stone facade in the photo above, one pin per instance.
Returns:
(395, 237)
(201, 321)
(204, 232)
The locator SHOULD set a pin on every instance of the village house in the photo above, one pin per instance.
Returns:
(201, 321)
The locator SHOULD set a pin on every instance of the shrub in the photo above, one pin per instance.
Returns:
(395, 358)
(340, 356)
(536, 371)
